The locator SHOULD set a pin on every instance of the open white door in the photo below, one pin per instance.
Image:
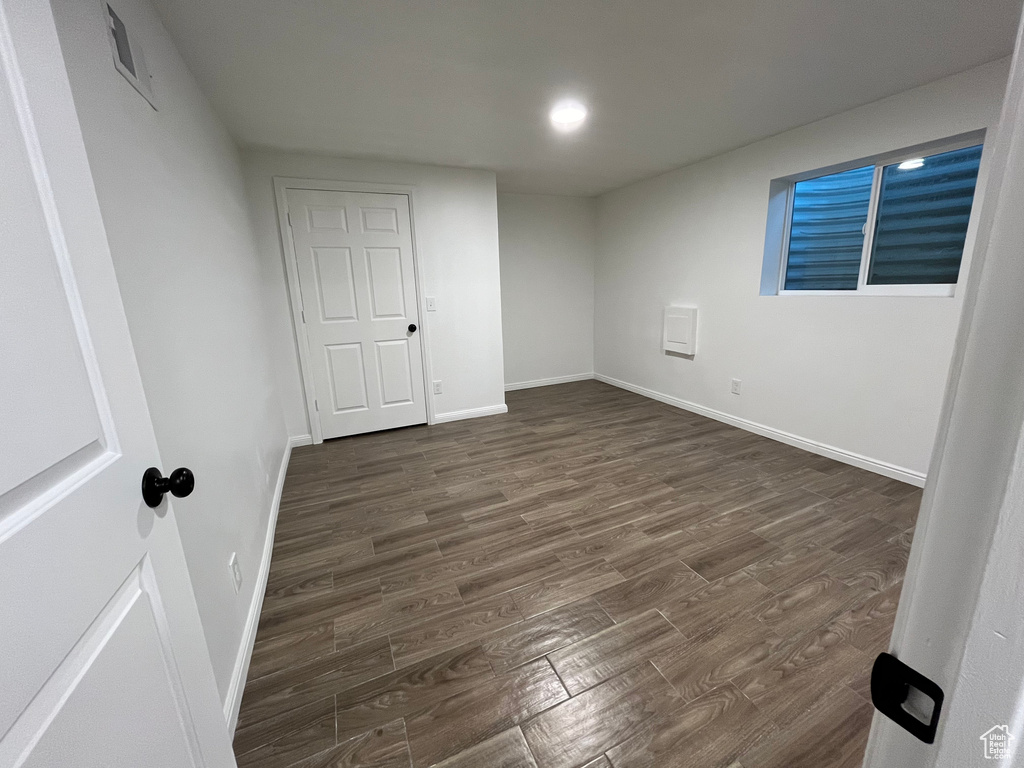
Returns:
(961, 615)
(102, 657)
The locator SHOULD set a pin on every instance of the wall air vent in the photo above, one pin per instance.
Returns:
(128, 58)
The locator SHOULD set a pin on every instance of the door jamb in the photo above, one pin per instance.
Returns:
(281, 186)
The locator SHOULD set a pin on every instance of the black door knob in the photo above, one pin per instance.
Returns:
(154, 485)
(412, 327)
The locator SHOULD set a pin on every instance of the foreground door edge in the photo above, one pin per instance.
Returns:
(104, 659)
(959, 620)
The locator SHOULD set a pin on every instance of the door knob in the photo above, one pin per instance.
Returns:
(154, 485)
(412, 327)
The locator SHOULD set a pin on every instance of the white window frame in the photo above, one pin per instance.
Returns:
(781, 204)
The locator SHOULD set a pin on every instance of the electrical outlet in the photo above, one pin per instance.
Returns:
(437, 387)
(431, 304)
(236, 571)
(736, 386)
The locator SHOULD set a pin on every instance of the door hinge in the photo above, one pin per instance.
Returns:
(316, 405)
(288, 215)
(303, 313)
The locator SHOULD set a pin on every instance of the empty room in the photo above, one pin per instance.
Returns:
(511, 384)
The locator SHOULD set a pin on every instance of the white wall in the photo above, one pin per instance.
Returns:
(173, 202)
(456, 241)
(548, 244)
(864, 375)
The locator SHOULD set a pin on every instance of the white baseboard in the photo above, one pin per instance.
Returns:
(548, 382)
(847, 457)
(296, 441)
(233, 700)
(472, 413)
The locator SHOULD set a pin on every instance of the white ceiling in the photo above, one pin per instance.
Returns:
(469, 82)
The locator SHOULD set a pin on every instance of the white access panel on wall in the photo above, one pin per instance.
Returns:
(680, 332)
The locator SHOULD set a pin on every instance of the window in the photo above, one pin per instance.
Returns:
(896, 224)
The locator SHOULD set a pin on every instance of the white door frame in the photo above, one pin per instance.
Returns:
(281, 186)
(960, 620)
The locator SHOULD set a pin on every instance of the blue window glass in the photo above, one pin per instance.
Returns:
(923, 211)
(826, 238)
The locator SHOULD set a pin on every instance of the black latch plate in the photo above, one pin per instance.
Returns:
(891, 681)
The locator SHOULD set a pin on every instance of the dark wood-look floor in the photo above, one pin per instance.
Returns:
(595, 579)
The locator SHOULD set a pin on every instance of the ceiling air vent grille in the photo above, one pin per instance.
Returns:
(128, 58)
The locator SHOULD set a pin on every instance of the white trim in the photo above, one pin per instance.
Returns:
(281, 186)
(233, 698)
(297, 441)
(868, 245)
(548, 382)
(847, 457)
(934, 290)
(471, 413)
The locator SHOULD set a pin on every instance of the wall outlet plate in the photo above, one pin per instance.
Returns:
(431, 304)
(437, 387)
(736, 386)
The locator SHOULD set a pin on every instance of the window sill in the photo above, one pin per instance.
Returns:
(933, 291)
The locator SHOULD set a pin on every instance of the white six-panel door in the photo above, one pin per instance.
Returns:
(359, 313)
(102, 657)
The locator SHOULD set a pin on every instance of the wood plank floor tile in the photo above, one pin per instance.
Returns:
(800, 674)
(730, 556)
(506, 750)
(300, 611)
(408, 690)
(856, 536)
(878, 568)
(505, 578)
(715, 657)
(453, 628)
(271, 654)
(654, 553)
(286, 737)
(601, 545)
(582, 728)
(381, 747)
(614, 650)
(868, 626)
(855, 505)
(717, 603)
(485, 556)
(314, 679)
(649, 590)
(568, 586)
(543, 634)
(710, 732)
(384, 563)
(806, 606)
(452, 725)
(715, 530)
(395, 616)
(901, 513)
(802, 527)
(611, 517)
(792, 566)
(833, 734)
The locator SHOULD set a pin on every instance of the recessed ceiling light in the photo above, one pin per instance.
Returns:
(568, 115)
(909, 165)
